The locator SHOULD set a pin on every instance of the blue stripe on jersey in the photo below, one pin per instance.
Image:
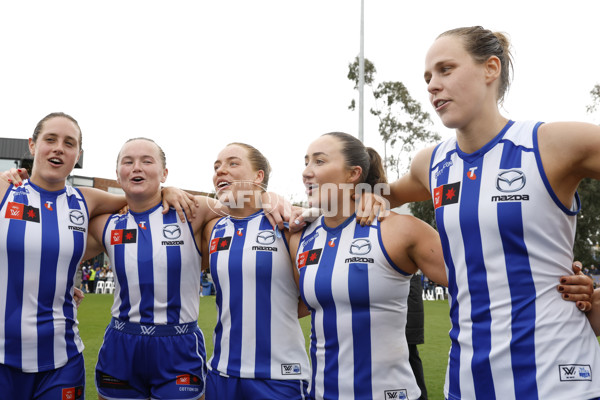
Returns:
(78, 248)
(145, 260)
(16, 276)
(358, 288)
(522, 287)
(48, 265)
(173, 275)
(120, 271)
(324, 296)
(313, 336)
(454, 358)
(264, 274)
(477, 280)
(236, 295)
(218, 334)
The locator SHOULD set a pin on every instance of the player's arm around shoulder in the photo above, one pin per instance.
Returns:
(412, 244)
(414, 185)
(100, 202)
(94, 239)
(203, 242)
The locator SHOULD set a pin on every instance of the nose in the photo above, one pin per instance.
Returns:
(307, 173)
(433, 86)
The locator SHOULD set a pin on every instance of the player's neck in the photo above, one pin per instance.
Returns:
(141, 204)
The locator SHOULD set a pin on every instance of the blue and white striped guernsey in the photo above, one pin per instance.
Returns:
(357, 297)
(258, 334)
(42, 240)
(157, 267)
(507, 239)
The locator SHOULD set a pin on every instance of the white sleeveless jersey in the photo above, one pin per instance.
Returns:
(507, 239)
(157, 267)
(258, 334)
(357, 298)
(42, 240)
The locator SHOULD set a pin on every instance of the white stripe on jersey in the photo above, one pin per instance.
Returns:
(258, 334)
(42, 239)
(502, 227)
(157, 267)
(357, 298)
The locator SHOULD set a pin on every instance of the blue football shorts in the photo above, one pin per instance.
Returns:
(219, 387)
(151, 361)
(66, 382)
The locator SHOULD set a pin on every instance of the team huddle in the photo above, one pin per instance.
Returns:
(505, 200)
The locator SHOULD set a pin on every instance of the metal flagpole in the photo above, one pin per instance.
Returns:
(361, 73)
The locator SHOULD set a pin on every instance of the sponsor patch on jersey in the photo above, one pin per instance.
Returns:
(575, 372)
(122, 236)
(218, 244)
(397, 394)
(188, 379)
(446, 194)
(309, 257)
(22, 212)
(73, 393)
(291, 369)
(76, 217)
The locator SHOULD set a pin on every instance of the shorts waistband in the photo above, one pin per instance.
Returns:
(152, 330)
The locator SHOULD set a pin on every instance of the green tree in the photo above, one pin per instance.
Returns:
(587, 237)
(403, 126)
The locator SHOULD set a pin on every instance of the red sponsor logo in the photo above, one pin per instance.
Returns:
(218, 244)
(187, 379)
(22, 212)
(446, 194)
(73, 393)
(122, 236)
(309, 257)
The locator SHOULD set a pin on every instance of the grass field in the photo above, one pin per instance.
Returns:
(94, 315)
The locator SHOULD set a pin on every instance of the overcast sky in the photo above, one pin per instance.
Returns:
(196, 75)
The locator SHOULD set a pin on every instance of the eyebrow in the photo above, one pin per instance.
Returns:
(228, 159)
(315, 154)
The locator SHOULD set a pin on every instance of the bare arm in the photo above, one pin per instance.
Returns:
(412, 244)
(205, 243)
(569, 152)
(594, 314)
(94, 239)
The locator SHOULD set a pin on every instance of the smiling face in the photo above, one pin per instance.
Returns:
(55, 151)
(456, 83)
(236, 182)
(326, 175)
(140, 170)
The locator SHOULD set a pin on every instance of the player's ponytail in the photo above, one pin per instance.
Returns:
(356, 154)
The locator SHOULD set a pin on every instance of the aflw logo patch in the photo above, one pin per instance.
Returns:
(22, 212)
(575, 372)
(309, 257)
(73, 393)
(446, 194)
(122, 236)
(291, 369)
(399, 394)
(218, 244)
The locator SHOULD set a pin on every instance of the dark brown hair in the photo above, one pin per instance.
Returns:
(356, 154)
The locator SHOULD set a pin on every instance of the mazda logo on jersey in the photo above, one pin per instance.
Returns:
(446, 194)
(510, 181)
(76, 217)
(171, 231)
(265, 237)
(218, 244)
(309, 257)
(360, 247)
